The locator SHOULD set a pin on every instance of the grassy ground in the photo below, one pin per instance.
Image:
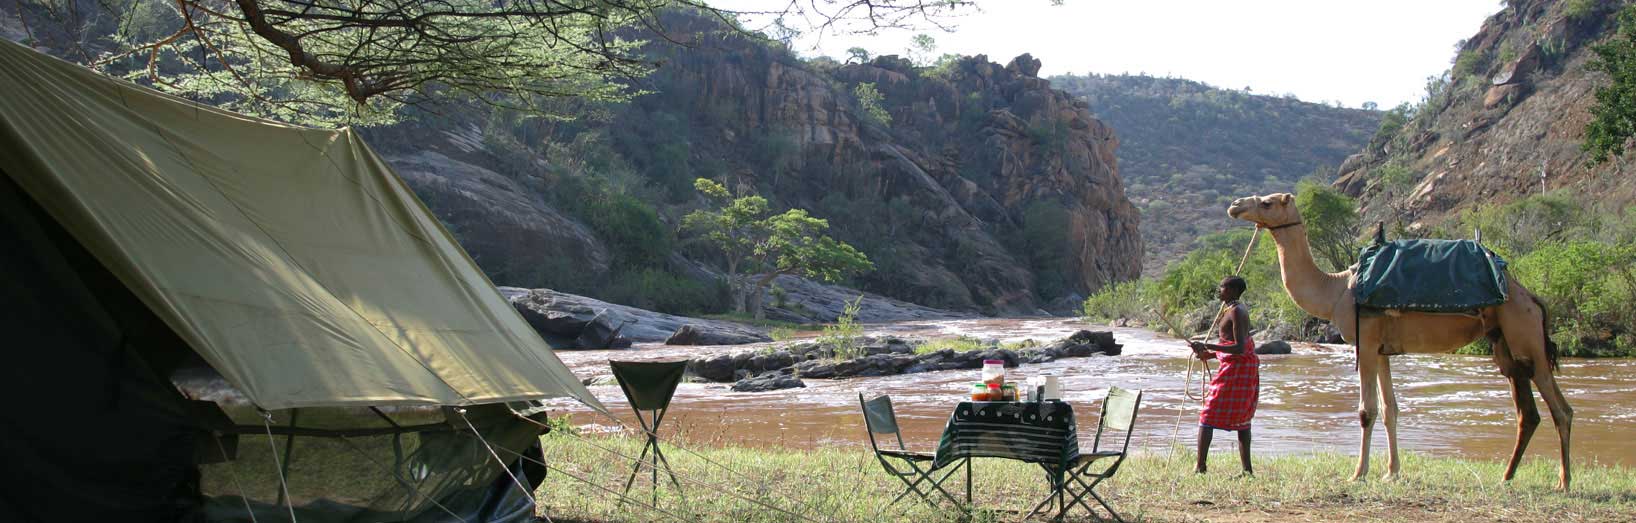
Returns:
(835, 484)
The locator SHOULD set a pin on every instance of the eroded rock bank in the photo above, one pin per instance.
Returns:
(784, 367)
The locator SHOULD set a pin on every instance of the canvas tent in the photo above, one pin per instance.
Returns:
(150, 241)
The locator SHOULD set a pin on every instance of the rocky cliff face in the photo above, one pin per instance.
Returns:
(988, 191)
(1506, 122)
(976, 157)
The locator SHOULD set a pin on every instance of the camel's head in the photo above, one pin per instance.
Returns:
(1271, 210)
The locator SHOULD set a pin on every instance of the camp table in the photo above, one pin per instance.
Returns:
(1035, 432)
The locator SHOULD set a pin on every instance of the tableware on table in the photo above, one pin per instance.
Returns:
(994, 372)
(979, 392)
(1008, 392)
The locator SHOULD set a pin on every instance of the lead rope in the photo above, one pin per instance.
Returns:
(267, 423)
(1206, 372)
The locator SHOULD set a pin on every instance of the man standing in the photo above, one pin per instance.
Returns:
(1236, 388)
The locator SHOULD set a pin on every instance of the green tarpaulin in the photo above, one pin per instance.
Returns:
(1429, 276)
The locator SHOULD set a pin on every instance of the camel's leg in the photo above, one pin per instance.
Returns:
(1527, 413)
(1388, 399)
(1368, 402)
(1522, 322)
(1562, 415)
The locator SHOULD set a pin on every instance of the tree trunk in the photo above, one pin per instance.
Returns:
(755, 303)
(755, 295)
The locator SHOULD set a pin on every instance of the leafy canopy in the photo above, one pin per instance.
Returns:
(1331, 221)
(1613, 119)
(365, 63)
(792, 242)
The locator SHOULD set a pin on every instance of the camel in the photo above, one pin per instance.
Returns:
(1516, 329)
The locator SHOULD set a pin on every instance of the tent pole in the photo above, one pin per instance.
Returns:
(283, 484)
(289, 445)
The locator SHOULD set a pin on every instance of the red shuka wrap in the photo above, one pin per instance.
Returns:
(1234, 392)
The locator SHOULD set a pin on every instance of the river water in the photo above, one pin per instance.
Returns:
(1449, 404)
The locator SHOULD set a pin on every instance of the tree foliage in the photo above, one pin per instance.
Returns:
(365, 63)
(1331, 221)
(1613, 119)
(869, 100)
(766, 245)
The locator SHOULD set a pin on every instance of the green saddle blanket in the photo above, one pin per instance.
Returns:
(1429, 276)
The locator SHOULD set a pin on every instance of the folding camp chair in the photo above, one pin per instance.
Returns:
(879, 418)
(649, 385)
(1119, 414)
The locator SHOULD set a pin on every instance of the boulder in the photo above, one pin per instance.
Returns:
(1507, 95)
(1273, 347)
(771, 361)
(718, 368)
(600, 333)
(684, 335)
(559, 317)
(816, 369)
(767, 382)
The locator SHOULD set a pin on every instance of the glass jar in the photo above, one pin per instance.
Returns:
(994, 372)
(979, 392)
(1008, 392)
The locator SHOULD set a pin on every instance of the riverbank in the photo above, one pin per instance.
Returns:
(846, 484)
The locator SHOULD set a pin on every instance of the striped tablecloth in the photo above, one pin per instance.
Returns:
(1034, 432)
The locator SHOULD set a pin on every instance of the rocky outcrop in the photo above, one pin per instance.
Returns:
(1508, 125)
(506, 228)
(886, 357)
(768, 382)
(561, 318)
(939, 196)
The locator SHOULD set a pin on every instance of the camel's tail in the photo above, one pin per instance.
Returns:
(1545, 328)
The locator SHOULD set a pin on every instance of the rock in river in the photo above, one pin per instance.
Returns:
(560, 317)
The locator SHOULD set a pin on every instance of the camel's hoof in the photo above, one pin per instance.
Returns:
(1390, 476)
(1357, 478)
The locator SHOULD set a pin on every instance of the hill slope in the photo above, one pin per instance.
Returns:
(1514, 106)
(979, 188)
(1186, 149)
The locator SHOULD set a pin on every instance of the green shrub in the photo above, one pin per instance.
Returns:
(1578, 10)
(1471, 62)
(657, 290)
(869, 99)
(844, 338)
(957, 344)
(1126, 300)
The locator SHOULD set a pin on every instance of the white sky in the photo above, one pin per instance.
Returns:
(1320, 50)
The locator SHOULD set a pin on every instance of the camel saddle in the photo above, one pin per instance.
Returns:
(1440, 276)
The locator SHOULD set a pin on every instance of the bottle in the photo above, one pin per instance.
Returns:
(1008, 392)
(994, 393)
(979, 392)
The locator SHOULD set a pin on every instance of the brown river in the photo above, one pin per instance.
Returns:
(1449, 404)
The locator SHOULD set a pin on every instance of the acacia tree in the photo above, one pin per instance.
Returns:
(329, 62)
(764, 246)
